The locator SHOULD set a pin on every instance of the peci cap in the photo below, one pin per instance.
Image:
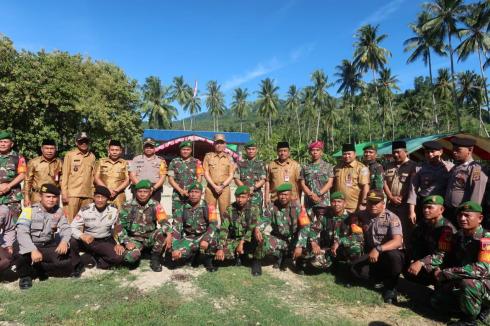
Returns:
(432, 145)
(397, 144)
(282, 144)
(48, 142)
(348, 147)
(113, 142)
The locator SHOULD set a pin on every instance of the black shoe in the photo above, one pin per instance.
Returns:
(300, 266)
(77, 271)
(155, 264)
(88, 260)
(238, 261)
(483, 316)
(195, 260)
(464, 322)
(390, 296)
(41, 274)
(208, 263)
(25, 283)
(285, 262)
(256, 267)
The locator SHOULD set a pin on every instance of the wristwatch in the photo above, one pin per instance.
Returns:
(379, 248)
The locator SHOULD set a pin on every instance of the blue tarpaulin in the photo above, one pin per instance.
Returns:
(166, 135)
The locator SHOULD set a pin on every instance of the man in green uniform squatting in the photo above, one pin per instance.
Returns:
(465, 283)
(236, 231)
(139, 230)
(195, 229)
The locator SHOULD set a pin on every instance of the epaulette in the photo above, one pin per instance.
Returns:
(84, 208)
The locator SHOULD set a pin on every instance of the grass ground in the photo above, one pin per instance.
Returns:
(189, 296)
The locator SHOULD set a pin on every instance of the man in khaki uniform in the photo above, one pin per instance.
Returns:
(77, 180)
(397, 181)
(219, 170)
(149, 166)
(44, 169)
(283, 169)
(351, 177)
(112, 173)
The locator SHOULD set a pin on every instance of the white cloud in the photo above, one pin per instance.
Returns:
(301, 51)
(382, 12)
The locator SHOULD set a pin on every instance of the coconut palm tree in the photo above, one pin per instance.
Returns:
(307, 109)
(476, 38)
(320, 95)
(215, 102)
(293, 102)
(443, 90)
(157, 104)
(268, 102)
(388, 82)
(421, 46)
(470, 94)
(350, 80)
(369, 55)
(240, 106)
(180, 92)
(193, 105)
(445, 16)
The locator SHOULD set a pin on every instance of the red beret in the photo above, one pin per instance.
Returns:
(316, 144)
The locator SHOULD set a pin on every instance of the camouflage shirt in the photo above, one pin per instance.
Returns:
(431, 243)
(238, 223)
(139, 221)
(375, 174)
(184, 172)
(194, 222)
(249, 172)
(282, 222)
(11, 165)
(316, 175)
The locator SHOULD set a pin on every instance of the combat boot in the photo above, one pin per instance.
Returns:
(390, 296)
(77, 271)
(25, 282)
(155, 264)
(195, 259)
(283, 266)
(278, 262)
(208, 263)
(256, 267)
(238, 260)
(300, 266)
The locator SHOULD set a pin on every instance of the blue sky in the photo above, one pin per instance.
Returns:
(237, 43)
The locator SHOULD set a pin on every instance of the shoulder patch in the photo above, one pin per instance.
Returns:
(476, 173)
(364, 171)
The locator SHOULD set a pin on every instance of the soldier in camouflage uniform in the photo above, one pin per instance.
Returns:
(278, 230)
(251, 173)
(334, 237)
(465, 283)
(139, 230)
(431, 242)
(316, 179)
(195, 229)
(375, 169)
(13, 169)
(182, 172)
(236, 230)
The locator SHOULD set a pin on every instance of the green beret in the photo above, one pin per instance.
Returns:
(143, 184)
(284, 187)
(337, 195)
(433, 200)
(242, 190)
(195, 185)
(185, 144)
(5, 135)
(370, 146)
(470, 206)
(251, 143)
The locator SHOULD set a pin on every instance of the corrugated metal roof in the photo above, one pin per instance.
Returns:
(166, 135)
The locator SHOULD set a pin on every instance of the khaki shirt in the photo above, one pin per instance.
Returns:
(398, 177)
(112, 173)
(41, 171)
(279, 173)
(150, 168)
(349, 178)
(219, 166)
(78, 174)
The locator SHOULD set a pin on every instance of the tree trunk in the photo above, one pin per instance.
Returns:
(434, 107)
(351, 112)
(191, 123)
(484, 82)
(299, 128)
(318, 123)
(378, 105)
(183, 123)
(456, 107)
(369, 124)
(392, 119)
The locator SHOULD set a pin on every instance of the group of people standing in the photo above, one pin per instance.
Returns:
(373, 221)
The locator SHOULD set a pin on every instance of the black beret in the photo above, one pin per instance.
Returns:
(398, 144)
(49, 188)
(115, 143)
(432, 145)
(348, 148)
(282, 144)
(49, 142)
(101, 190)
(463, 142)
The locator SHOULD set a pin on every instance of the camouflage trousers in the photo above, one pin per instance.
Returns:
(11, 210)
(154, 241)
(229, 248)
(273, 245)
(257, 199)
(177, 201)
(189, 244)
(348, 250)
(469, 295)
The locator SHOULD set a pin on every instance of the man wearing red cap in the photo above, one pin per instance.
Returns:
(316, 179)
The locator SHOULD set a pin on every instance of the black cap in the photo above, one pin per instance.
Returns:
(463, 142)
(348, 148)
(115, 143)
(282, 144)
(82, 135)
(397, 144)
(432, 145)
(101, 190)
(48, 141)
(49, 188)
